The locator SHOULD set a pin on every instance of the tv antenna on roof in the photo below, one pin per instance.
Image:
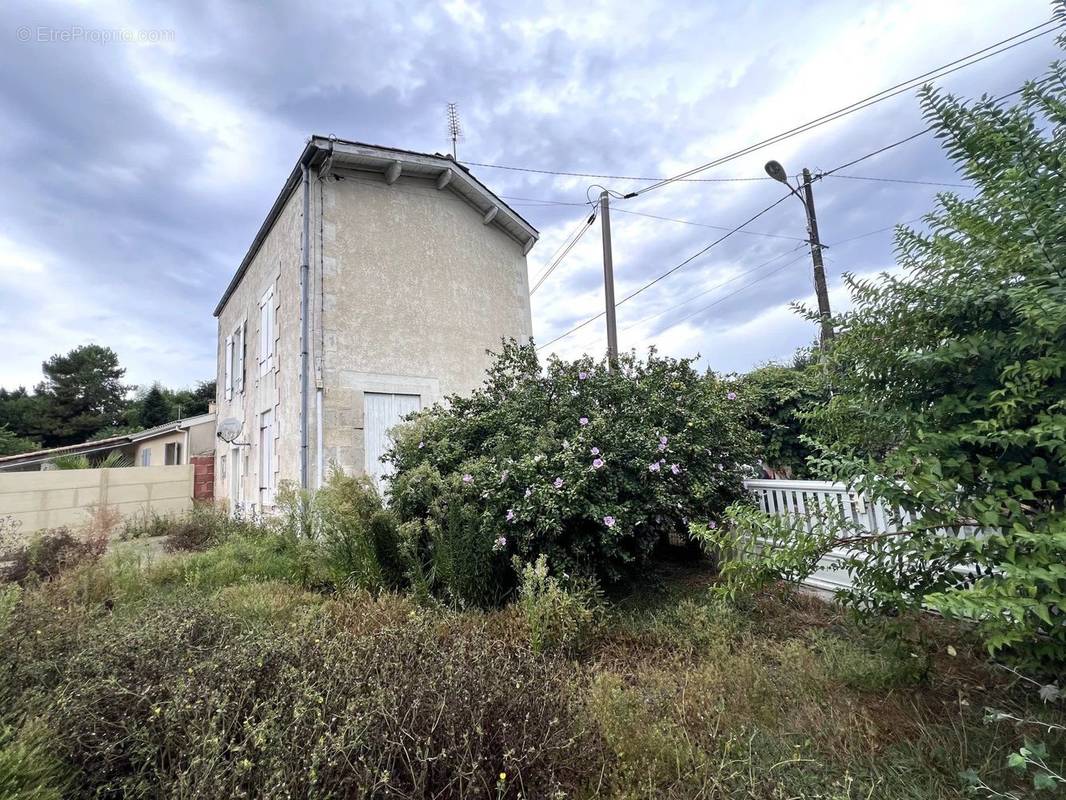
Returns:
(455, 130)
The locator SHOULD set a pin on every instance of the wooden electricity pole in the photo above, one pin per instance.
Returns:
(820, 288)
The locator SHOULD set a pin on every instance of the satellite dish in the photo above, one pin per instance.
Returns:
(229, 429)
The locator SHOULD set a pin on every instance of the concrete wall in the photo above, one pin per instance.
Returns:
(276, 264)
(53, 498)
(417, 288)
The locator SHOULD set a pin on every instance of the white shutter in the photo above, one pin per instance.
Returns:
(382, 413)
(239, 347)
(229, 367)
(266, 332)
(266, 458)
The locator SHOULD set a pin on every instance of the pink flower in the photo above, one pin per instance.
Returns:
(663, 440)
(595, 451)
(609, 521)
(653, 466)
(731, 396)
(421, 445)
(528, 491)
(558, 484)
(674, 468)
(510, 515)
(582, 375)
(712, 524)
(584, 420)
(500, 544)
(597, 463)
(468, 478)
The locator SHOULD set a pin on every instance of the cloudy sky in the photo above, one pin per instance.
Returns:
(135, 173)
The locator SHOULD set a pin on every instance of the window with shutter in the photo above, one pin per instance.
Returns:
(229, 368)
(266, 458)
(238, 358)
(266, 332)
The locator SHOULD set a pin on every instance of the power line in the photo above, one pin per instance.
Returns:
(565, 252)
(544, 201)
(946, 69)
(707, 225)
(878, 230)
(567, 174)
(904, 140)
(898, 180)
(577, 229)
(737, 291)
(742, 274)
(671, 271)
(736, 277)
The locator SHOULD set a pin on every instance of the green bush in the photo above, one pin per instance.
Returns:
(589, 466)
(778, 398)
(949, 393)
(560, 617)
(345, 527)
(358, 698)
(29, 769)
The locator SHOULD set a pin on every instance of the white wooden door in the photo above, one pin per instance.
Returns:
(381, 413)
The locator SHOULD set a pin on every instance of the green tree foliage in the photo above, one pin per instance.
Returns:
(82, 399)
(82, 392)
(155, 408)
(949, 387)
(12, 444)
(21, 413)
(588, 466)
(779, 397)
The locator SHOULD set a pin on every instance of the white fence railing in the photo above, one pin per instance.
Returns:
(809, 499)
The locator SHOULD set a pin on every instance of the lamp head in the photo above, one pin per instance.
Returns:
(776, 171)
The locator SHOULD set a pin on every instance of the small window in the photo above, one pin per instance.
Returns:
(222, 467)
(172, 454)
(146, 457)
(266, 332)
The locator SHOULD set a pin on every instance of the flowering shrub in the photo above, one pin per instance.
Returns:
(588, 466)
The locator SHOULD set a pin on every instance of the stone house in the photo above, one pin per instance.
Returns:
(374, 287)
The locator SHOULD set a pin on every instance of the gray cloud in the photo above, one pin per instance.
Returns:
(136, 175)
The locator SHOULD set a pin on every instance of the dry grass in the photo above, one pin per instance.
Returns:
(676, 695)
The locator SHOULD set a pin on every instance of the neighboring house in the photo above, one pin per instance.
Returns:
(375, 286)
(184, 441)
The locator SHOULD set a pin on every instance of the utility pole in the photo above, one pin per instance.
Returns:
(608, 280)
(820, 288)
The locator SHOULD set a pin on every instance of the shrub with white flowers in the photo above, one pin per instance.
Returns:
(588, 466)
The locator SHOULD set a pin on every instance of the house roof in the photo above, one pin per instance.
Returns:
(173, 427)
(111, 443)
(329, 152)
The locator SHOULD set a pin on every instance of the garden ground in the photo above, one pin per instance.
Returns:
(239, 672)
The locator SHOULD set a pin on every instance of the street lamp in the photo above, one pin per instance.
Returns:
(777, 172)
